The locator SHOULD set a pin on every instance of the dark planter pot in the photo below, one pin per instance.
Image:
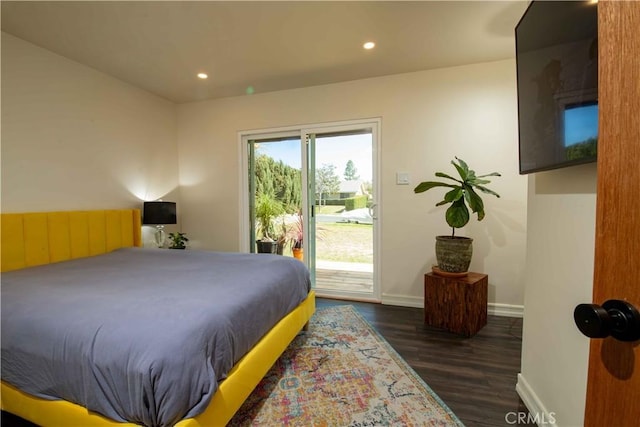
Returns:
(454, 253)
(267, 247)
(184, 247)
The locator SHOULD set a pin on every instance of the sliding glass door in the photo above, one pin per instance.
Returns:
(314, 189)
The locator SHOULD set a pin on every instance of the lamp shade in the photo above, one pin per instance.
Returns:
(159, 213)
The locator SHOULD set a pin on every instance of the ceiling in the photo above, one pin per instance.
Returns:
(160, 46)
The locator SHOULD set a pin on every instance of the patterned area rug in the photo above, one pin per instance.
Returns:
(341, 372)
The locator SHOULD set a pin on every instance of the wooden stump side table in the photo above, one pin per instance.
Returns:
(456, 304)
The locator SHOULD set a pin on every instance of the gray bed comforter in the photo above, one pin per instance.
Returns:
(141, 335)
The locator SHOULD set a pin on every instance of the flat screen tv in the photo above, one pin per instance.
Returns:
(557, 66)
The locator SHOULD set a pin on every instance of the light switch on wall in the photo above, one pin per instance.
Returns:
(402, 178)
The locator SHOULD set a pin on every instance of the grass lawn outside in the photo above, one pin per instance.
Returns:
(345, 242)
(342, 242)
(327, 209)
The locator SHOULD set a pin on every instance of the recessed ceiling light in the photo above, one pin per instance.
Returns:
(202, 76)
(369, 45)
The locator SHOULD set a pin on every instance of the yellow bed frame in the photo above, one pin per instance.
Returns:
(32, 239)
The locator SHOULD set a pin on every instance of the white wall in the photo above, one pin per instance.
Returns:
(427, 118)
(559, 276)
(75, 138)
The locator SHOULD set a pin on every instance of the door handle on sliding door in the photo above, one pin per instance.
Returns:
(372, 211)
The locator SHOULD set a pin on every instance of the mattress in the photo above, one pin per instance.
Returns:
(141, 335)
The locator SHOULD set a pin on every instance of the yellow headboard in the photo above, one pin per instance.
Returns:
(30, 239)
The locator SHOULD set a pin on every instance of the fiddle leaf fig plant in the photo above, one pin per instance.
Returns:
(462, 194)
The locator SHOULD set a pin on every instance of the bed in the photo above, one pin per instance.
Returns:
(63, 244)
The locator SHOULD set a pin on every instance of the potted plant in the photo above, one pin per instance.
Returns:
(267, 209)
(453, 253)
(178, 240)
(295, 237)
(281, 237)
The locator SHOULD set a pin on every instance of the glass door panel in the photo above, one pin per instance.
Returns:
(275, 193)
(341, 166)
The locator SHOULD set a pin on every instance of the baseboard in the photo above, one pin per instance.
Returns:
(402, 300)
(537, 412)
(494, 309)
(505, 310)
(345, 296)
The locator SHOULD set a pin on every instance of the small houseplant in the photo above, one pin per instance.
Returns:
(178, 240)
(266, 211)
(453, 253)
(295, 236)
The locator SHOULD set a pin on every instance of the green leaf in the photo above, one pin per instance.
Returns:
(486, 190)
(444, 175)
(490, 174)
(481, 215)
(478, 181)
(428, 185)
(444, 202)
(453, 195)
(463, 172)
(463, 164)
(474, 200)
(457, 215)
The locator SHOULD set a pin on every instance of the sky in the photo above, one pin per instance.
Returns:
(580, 123)
(336, 150)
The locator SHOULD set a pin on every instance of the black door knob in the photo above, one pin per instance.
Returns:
(617, 318)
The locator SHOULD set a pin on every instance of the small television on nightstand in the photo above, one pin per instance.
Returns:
(557, 82)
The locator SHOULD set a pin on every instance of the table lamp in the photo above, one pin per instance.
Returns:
(159, 214)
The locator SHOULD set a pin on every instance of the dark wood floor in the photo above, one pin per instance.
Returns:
(475, 377)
